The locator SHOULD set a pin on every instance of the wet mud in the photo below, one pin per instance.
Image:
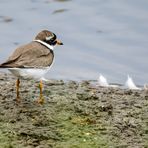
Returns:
(75, 115)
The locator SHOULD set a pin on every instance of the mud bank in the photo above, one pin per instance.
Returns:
(75, 115)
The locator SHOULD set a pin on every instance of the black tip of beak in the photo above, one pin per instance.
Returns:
(59, 42)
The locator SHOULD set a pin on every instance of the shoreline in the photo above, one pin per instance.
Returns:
(75, 114)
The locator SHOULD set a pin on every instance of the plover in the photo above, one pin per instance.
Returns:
(33, 60)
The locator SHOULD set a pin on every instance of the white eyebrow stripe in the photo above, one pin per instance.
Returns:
(48, 38)
(45, 44)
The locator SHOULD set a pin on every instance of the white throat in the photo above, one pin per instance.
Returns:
(45, 44)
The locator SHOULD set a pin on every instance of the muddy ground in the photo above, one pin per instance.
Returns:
(75, 115)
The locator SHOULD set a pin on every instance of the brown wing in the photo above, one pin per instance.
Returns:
(31, 55)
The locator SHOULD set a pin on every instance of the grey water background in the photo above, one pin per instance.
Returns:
(100, 36)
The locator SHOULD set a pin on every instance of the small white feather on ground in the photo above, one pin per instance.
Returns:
(130, 84)
(44, 79)
(102, 81)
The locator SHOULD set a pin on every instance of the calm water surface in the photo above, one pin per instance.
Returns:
(100, 36)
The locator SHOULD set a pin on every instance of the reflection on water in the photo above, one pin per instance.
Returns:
(62, 0)
(48, 1)
(60, 11)
(5, 19)
(100, 36)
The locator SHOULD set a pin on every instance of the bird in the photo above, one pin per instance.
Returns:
(33, 60)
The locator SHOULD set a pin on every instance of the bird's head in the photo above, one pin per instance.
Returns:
(48, 37)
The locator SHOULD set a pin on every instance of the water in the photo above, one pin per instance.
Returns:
(99, 36)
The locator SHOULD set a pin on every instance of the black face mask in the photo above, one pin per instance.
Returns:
(52, 42)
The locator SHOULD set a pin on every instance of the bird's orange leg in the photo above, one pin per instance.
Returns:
(41, 99)
(17, 90)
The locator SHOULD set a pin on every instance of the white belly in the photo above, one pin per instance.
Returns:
(28, 73)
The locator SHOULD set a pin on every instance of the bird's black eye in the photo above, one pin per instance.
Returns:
(54, 37)
(53, 41)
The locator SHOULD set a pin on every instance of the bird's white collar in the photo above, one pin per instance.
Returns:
(45, 44)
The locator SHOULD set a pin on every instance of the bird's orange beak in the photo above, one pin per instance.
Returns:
(59, 42)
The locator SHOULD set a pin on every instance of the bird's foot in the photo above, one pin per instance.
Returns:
(18, 100)
(40, 101)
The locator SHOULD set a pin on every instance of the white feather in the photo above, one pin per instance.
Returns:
(102, 81)
(44, 79)
(145, 86)
(130, 84)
